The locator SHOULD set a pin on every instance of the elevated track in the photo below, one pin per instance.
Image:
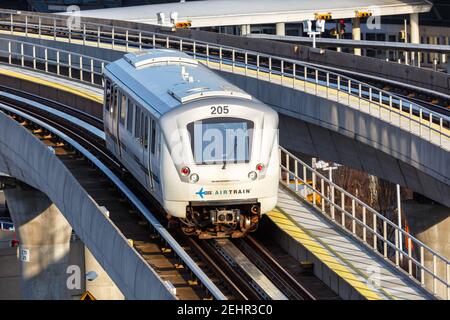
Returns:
(361, 221)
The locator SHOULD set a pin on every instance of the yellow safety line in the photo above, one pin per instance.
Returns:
(298, 233)
(78, 91)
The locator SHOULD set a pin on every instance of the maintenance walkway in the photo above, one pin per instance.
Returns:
(344, 261)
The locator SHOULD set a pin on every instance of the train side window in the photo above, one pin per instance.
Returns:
(153, 135)
(107, 94)
(123, 109)
(141, 135)
(137, 122)
(130, 115)
(146, 133)
(114, 100)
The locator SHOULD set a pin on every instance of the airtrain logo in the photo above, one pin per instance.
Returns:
(225, 192)
(202, 193)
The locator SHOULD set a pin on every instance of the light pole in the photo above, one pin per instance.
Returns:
(308, 28)
(399, 217)
(327, 166)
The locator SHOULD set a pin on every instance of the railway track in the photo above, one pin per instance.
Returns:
(214, 257)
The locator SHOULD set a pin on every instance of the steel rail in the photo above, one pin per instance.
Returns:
(281, 278)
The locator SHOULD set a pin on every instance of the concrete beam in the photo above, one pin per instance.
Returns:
(44, 235)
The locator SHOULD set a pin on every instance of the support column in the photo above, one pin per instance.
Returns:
(430, 223)
(102, 287)
(280, 29)
(44, 236)
(356, 32)
(245, 29)
(415, 37)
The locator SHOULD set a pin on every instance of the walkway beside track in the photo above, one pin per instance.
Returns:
(342, 257)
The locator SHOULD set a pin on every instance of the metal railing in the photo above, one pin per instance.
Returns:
(74, 66)
(397, 111)
(366, 224)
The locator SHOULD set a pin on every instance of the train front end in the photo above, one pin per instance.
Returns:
(220, 165)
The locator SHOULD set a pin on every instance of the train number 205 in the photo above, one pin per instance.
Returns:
(219, 110)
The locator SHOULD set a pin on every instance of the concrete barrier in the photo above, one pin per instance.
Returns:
(64, 97)
(24, 157)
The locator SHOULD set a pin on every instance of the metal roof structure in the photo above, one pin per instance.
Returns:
(236, 12)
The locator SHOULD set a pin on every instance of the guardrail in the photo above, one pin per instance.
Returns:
(427, 124)
(366, 224)
(63, 63)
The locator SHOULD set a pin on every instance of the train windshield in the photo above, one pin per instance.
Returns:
(221, 140)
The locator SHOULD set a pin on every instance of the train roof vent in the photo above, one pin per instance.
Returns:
(185, 95)
(150, 57)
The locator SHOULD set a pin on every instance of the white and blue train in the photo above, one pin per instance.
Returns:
(205, 150)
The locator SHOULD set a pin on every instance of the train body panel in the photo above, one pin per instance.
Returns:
(206, 150)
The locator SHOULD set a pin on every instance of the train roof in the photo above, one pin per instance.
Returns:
(165, 79)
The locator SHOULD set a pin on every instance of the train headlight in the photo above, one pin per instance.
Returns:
(194, 178)
(259, 167)
(185, 171)
(252, 175)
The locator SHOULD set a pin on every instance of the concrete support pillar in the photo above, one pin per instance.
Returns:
(415, 37)
(44, 236)
(280, 29)
(430, 223)
(102, 287)
(356, 32)
(245, 29)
